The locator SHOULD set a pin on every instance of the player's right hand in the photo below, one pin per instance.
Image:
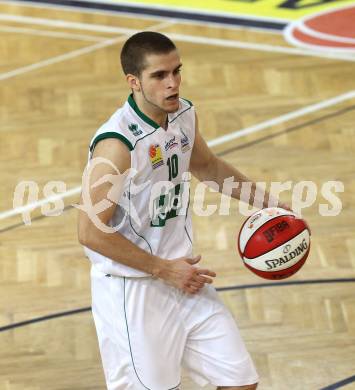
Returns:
(183, 274)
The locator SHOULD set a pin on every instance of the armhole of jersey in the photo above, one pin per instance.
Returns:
(110, 134)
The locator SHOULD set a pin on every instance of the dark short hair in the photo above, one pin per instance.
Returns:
(135, 49)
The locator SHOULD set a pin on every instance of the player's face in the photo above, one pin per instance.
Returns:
(160, 81)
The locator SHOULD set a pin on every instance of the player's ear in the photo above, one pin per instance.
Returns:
(133, 82)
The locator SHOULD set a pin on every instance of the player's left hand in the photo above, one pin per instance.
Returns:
(287, 207)
(183, 273)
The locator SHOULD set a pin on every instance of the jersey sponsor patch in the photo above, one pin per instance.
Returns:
(172, 143)
(133, 128)
(185, 143)
(169, 204)
(155, 156)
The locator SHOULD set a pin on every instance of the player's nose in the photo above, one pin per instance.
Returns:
(173, 82)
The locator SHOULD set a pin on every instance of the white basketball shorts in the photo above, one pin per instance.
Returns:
(148, 330)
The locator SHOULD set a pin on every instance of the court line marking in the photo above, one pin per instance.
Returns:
(317, 34)
(59, 23)
(180, 37)
(287, 130)
(219, 289)
(191, 10)
(214, 142)
(72, 54)
(258, 46)
(284, 118)
(302, 25)
(226, 151)
(130, 15)
(54, 34)
(354, 377)
(88, 49)
(293, 40)
(59, 58)
(339, 384)
(34, 205)
(53, 60)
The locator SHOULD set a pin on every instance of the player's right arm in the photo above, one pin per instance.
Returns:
(179, 272)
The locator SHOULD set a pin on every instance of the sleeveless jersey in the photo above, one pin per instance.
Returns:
(153, 211)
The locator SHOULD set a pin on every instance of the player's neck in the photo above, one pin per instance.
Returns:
(159, 116)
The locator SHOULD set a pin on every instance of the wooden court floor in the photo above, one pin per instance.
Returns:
(58, 83)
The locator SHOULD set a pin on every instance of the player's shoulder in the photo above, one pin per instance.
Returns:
(122, 126)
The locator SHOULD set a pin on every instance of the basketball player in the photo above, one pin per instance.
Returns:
(154, 308)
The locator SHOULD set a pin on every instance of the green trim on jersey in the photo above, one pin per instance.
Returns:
(111, 134)
(187, 101)
(187, 212)
(140, 139)
(130, 222)
(182, 112)
(177, 387)
(146, 119)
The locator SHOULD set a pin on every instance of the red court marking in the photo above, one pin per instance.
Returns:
(339, 23)
(302, 37)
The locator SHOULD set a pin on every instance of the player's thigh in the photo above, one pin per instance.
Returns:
(215, 352)
(156, 336)
(140, 340)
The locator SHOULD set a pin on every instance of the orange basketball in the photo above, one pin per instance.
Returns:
(274, 243)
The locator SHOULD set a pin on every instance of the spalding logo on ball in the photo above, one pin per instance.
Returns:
(274, 243)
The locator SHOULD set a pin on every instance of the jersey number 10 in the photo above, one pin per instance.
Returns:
(173, 165)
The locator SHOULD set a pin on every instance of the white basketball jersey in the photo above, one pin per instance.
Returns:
(153, 211)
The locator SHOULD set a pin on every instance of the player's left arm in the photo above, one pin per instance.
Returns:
(206, 166)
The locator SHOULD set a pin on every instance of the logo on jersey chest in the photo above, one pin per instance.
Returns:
(171, 144)
(171, 203)
(185, 143)
(155, 156)
(133, 128)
